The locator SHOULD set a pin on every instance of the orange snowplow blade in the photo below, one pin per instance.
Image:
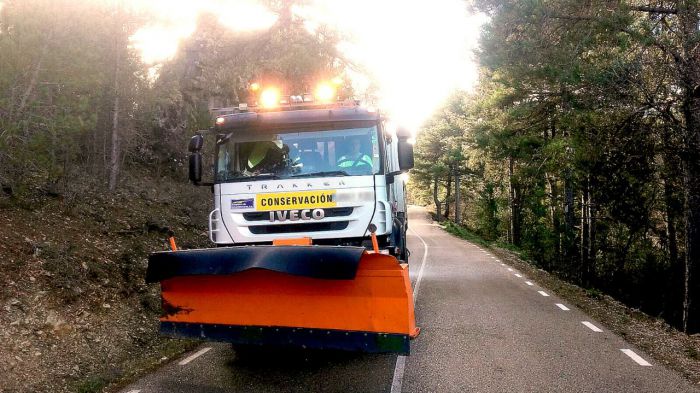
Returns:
(372, 312)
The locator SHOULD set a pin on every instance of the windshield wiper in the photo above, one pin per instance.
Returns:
(326, 173)
(262, 176)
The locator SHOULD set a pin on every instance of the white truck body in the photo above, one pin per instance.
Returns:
(365, 197)
(322, 199)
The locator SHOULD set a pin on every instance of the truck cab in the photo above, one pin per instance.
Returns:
(330, 173)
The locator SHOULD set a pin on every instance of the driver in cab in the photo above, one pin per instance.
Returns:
(356, 158)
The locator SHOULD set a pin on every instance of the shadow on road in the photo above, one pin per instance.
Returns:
(304, 370)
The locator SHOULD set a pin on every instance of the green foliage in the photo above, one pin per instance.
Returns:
(569, 148)
(464, 233)
(65, 66)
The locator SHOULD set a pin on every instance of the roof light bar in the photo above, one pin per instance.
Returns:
(325, 93)
(270, 98)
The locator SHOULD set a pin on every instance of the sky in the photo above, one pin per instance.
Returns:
(418, 52)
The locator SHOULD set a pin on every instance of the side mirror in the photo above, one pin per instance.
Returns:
(405, 151)
(195, 167)
(403, 133)
(196, 143)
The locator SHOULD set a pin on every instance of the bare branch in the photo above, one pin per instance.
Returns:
(655, 10)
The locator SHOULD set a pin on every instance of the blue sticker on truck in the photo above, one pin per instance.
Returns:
(242, 203)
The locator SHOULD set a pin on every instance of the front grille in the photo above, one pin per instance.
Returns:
(330, 212)
(292, 228)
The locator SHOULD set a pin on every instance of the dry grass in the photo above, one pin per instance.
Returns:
(76, 313)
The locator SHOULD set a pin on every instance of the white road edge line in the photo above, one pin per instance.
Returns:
(134, 391)
(529, 283)
(510, 270)
(194, 356)
(592, 326)
(397, 380)
(518, 275)
(543, 293)
(563, 307)
(416, 287)
(635, 357)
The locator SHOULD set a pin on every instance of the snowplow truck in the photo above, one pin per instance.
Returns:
(309, 231)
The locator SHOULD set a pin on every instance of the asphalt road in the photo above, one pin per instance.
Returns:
(484, 329)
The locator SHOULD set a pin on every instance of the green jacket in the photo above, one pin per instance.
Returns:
(348, 161)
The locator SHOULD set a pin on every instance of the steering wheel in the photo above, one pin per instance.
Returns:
(355, 162)
(357, 167)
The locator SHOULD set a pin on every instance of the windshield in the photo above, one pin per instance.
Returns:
(343, 152)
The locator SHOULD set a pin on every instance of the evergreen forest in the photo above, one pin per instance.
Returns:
(581, 147)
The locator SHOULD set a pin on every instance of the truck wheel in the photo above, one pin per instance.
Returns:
(399, 250)
(404, 254)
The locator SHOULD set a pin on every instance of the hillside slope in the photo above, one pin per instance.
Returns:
(76, 312)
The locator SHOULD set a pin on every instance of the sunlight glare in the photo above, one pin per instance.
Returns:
(418, 53)
(176, 19)
(245, 16)
(158, 43)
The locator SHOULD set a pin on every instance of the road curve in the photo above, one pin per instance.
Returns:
(485, 328)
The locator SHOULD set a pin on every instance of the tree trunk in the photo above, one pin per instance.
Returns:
(34, 79)
(103, 107)
(568, 201)
(114, 154)
(438, 206)
(514, 204)
(569, 247)
(672, 207)
(458, 218)
(114, 157)
(691, 185)
(448, 195)
(689, 17)
(554, 214)
(671, 232)
(670, 170)
(591, 234)
(584, 233)
(675, 288)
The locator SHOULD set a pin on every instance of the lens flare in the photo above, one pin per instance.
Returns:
(325, 93)
(270, 98)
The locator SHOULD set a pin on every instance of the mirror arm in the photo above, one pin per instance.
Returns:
(391, 175)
